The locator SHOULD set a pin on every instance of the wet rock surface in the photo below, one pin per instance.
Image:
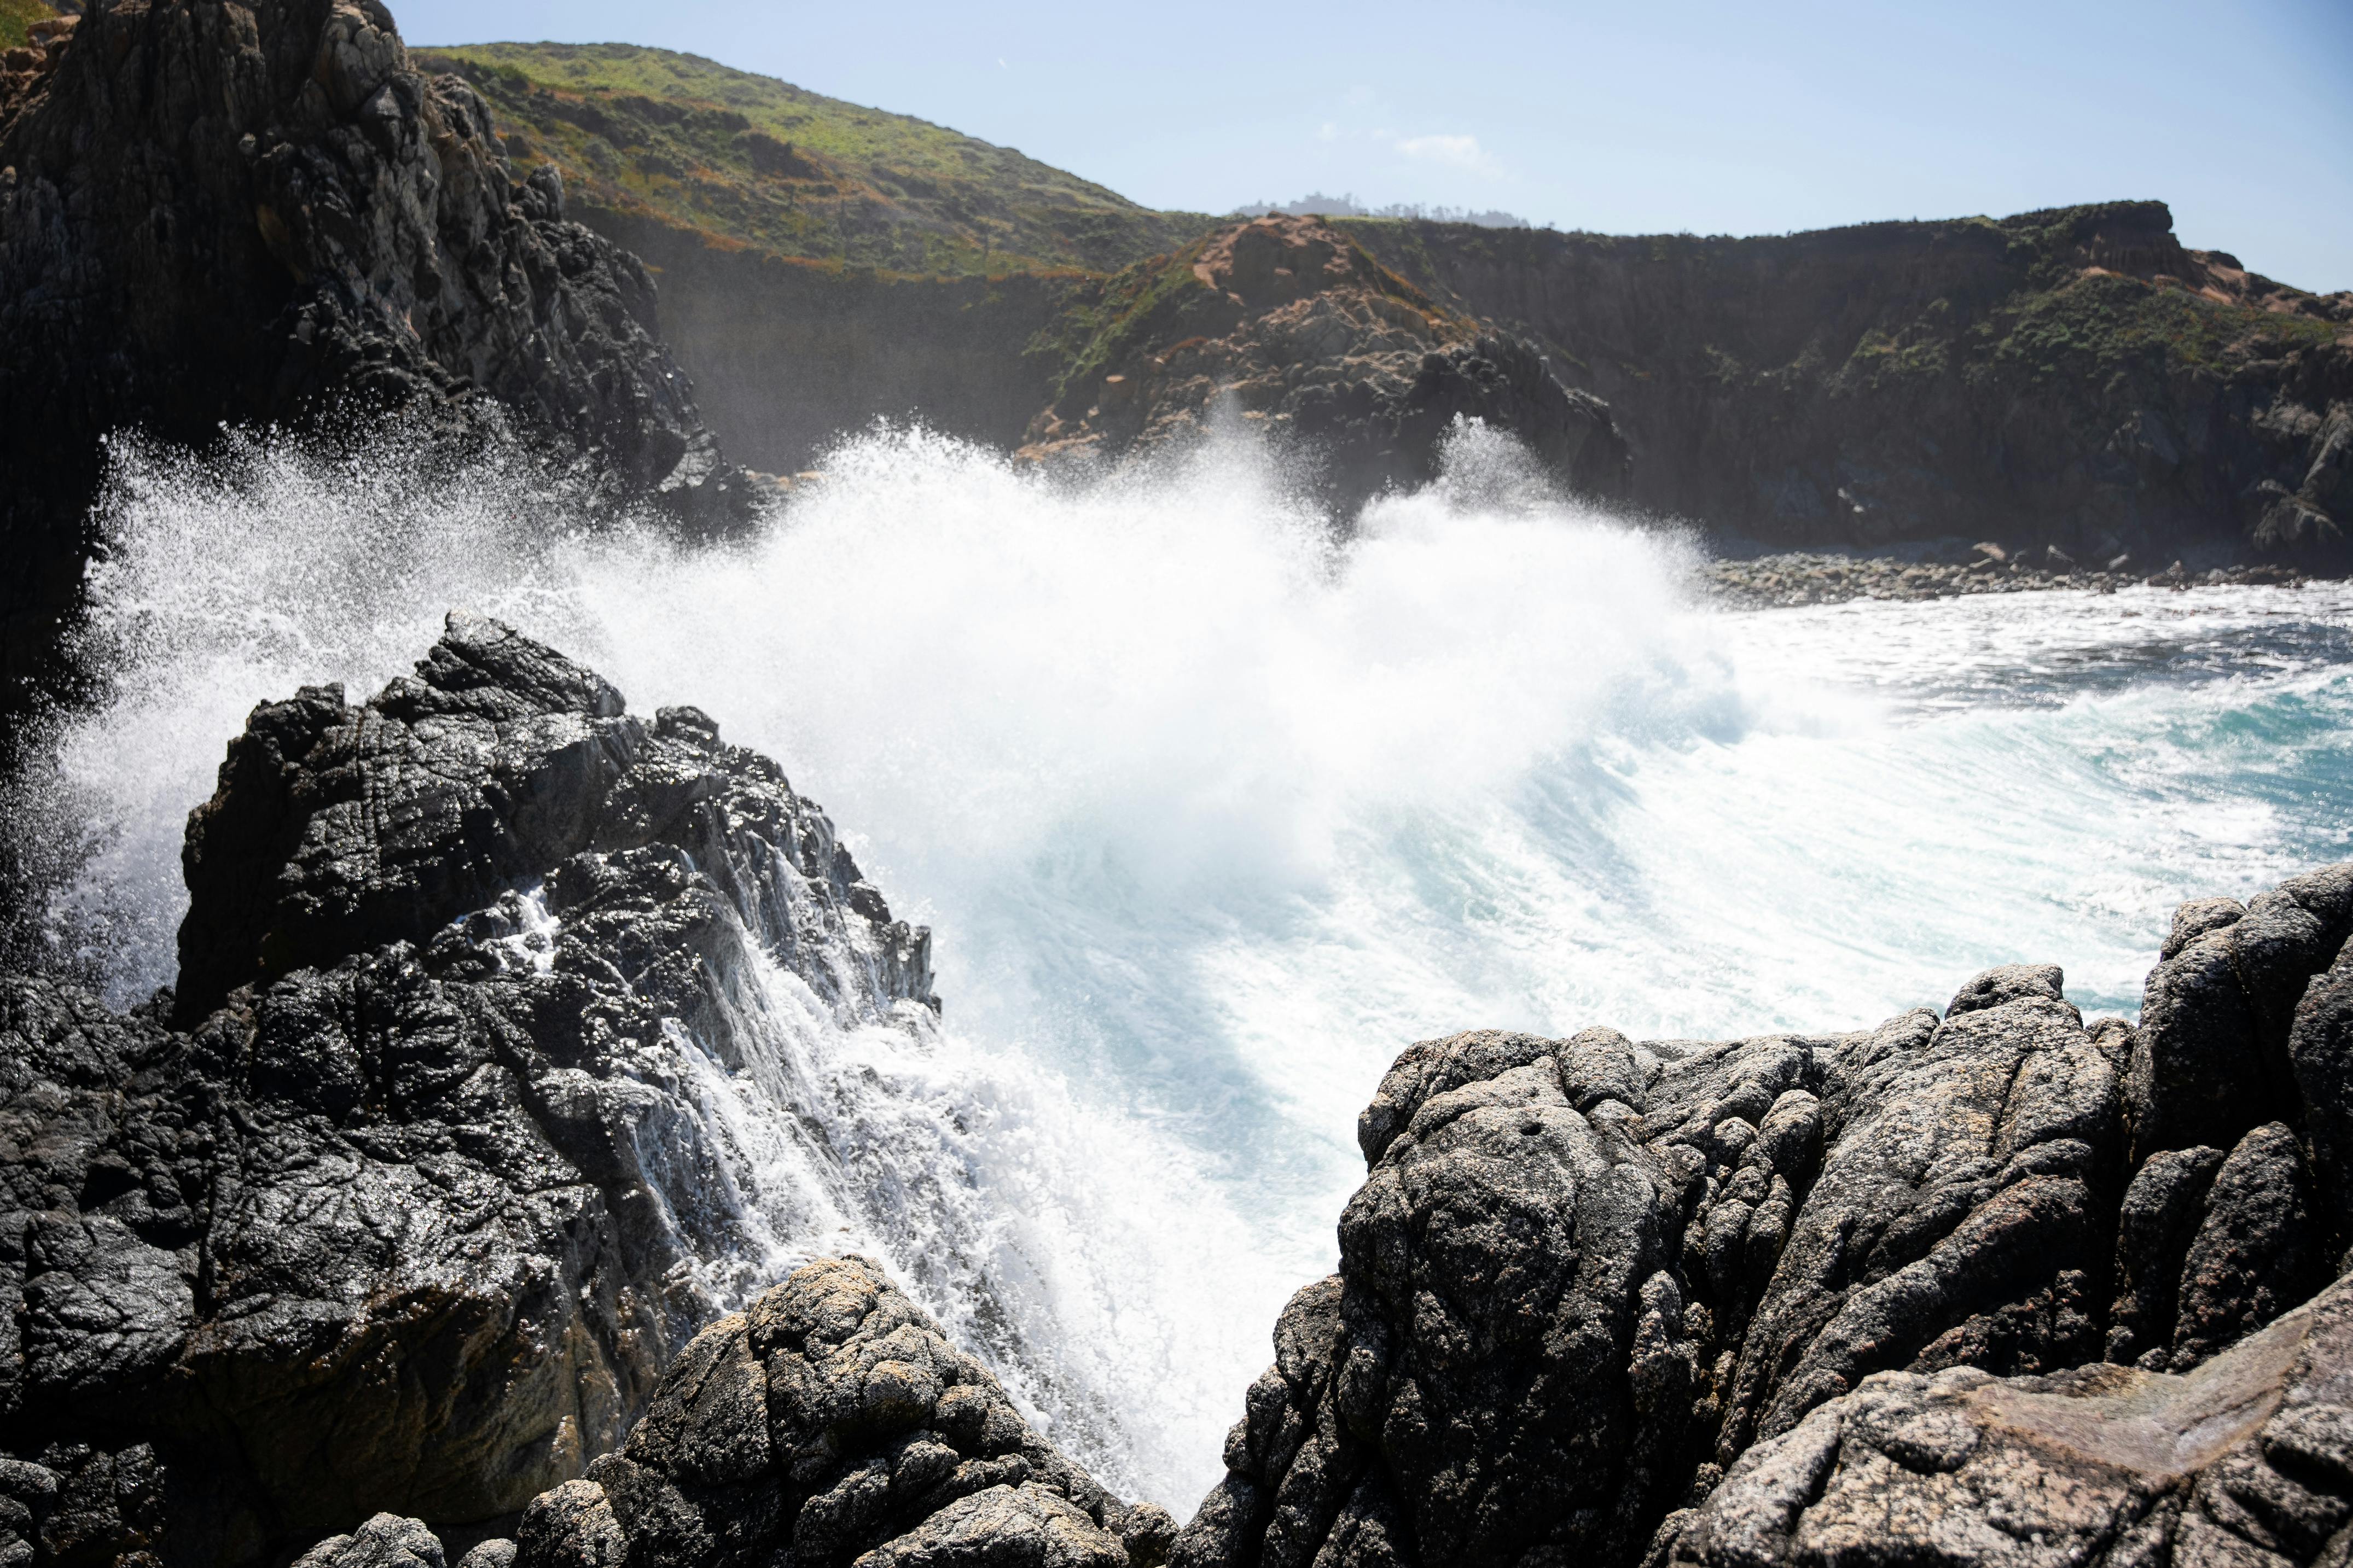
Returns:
(832, 1423)
(1587, 1280)
(412, 1209)
(262, 213)
(1287, 326)
(1803, 577)
(394, 1228)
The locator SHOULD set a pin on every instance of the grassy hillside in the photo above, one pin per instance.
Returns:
(748, 160)
(16, 16)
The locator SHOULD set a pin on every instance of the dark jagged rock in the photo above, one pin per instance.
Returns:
(1586, 1279)
(83, 1505)
(383, 1542)
(416, 1208)
(2213, 1057)
(213, 211)
(1296, 328)
(829, 1422)
(337, 829)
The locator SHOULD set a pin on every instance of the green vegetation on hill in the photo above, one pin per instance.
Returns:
(16, 16)
(1138, 304)
(1156, 304)
(746, 160)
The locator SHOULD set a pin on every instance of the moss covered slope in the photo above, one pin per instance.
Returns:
(748, 160)
(16, 16)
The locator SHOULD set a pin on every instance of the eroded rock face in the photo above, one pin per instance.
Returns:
(1585, 1277)
(2246, 1460)
(833, 1422)
(213, 211)
(1291, 326)
(1908, 381)
(413, 1211)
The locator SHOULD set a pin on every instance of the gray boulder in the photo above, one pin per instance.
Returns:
(1585, 1279)
(385, 1541)
(832, 1423)
(2247, 1459)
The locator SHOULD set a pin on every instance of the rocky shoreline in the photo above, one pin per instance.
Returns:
(469, 1187)
(406, 1217)
(1789, 578)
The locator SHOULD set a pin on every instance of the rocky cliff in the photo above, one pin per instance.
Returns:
(790, 354)
(409, 1196)
(213, 211)
(2075, 377)
(1287, 324)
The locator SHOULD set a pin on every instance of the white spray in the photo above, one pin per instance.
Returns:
(1211, 816)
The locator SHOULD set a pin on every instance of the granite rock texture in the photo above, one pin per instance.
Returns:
(407, 1198)
(213, 211)
(1585, 1279)
(2245, 1459)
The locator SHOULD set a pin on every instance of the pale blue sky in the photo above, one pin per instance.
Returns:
(1624, 117)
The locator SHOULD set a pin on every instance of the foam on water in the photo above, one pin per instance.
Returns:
(1212, 816)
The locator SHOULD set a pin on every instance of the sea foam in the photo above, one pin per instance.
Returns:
(1213, 812)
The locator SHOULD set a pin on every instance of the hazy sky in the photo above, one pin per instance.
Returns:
(1622, 117)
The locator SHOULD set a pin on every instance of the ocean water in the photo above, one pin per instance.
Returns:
(1212, 816)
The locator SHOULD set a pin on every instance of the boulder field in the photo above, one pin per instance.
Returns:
(391, 1230)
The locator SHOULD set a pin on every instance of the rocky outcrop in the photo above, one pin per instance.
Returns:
(1585, 1277)
(406, 1220)
(1289, 325)
(2075, 377)
(213, 211)
(414, 1205)
(2246, 1460)
(829, 1422)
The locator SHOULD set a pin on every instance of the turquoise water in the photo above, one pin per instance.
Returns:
(1212, 816)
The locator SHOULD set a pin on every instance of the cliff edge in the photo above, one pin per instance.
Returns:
(218, 212)
(2074, 377)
